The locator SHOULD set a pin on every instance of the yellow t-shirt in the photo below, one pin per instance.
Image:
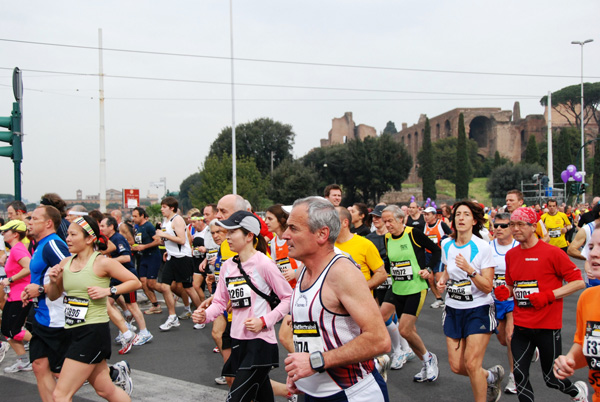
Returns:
(226, 252)
(554, 224)
(363, 252)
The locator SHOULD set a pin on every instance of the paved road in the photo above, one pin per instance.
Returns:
(180, 365)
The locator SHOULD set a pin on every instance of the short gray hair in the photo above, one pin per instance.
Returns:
(503, 216)
(396, 211)
(321, 213)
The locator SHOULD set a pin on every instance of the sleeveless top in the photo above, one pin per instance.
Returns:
(80, 309)
(174, 249)
(435, 233)
(316, 329)
(404, 265)
(280, 255)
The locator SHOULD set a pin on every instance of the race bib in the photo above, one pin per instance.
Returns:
(211, 252)
(196, 253)
(460, 290)
(75, 310)
(138, 238)
(307, 337)
(284, 264)
(386, 284)
(554, 233)
(402, 271)
(499, 280)
(591, 344)
(433, 238)
(239, 292)
(522, 289)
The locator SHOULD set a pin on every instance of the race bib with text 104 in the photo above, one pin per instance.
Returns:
(402, 271)
(522, 289)
(460, 290)
(239, 292)
(76, 309)
(307, 337)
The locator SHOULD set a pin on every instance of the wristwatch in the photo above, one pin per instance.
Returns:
(473, 274)
(113, 291)
(10, 279)
(41, 290)
(317, 362)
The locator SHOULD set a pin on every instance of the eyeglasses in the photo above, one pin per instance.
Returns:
(501, 225)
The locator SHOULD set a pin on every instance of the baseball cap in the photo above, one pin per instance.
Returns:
(16, 225)
(378, 210)
(430, 210)
(242, 219)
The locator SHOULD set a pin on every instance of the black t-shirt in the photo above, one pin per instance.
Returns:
(585, 218)
(362, 230)
(419, 223)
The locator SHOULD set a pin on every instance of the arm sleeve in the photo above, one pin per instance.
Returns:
(54, 252)
(426, 242)
(17, 253)
(221, 297)
(446, 229)
(282, 289)
(580, 330)
(508, 278)
(487, 258)
(374, 260)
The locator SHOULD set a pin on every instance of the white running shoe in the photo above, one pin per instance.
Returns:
(429, 372)
(127, 344)
(170, 323)
(143, 339)
(511, 387)
(493, 389)
(186, 315)
(124, 379)
(582, 396)
(221, 380)
(19, 365)
(398, 360)
(199, 326)
(384, 362)
(410, 355)
(3, 350)
(437, 304)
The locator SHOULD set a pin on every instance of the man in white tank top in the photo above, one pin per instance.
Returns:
(331, 306)
(179, 266)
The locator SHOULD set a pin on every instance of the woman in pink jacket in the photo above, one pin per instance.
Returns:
(247, 281)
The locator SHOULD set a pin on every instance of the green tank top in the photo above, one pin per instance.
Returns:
(404, 266)
(80, 309)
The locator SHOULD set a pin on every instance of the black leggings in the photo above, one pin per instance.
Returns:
(251, 385)
(548, 342)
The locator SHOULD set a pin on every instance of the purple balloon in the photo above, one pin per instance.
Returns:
(564, 176)
(578, 176)
(571, 169)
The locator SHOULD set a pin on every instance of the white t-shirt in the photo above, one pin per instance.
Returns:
(499, 253)
(461, 292)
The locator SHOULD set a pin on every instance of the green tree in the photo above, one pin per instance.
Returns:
(189, 183)
(508, 177)
(293, 180)
(215, 177)
(532, 154)
(427, 168)
(497, 159)
(463, 165)
(257, 140)
(154, 213)
(390, 128)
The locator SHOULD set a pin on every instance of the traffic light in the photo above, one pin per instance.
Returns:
(13, 136)
(574, 188)
(583, 187)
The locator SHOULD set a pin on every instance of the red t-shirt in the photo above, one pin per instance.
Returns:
(537, 269)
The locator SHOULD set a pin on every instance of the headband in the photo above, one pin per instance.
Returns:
(197, 218)
(86, 226)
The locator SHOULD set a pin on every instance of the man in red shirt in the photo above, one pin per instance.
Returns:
(535, 272)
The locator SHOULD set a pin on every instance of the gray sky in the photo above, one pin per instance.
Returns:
(163, 128)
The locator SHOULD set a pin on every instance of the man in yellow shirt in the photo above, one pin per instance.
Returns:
(558, 224)
(362, 251)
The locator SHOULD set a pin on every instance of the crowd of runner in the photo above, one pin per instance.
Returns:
(500, 270)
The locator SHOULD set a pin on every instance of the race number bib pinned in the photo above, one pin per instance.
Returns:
(499, 280)
(386, 284)
(591, 344)
(433, 238)
(460, 290)
(307, 337)
(239, 292)
(402, 271)
(76, 309)
(138, 238)
(554, 233)
(522, 289)
(284, 264)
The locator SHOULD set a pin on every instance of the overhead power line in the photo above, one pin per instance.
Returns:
(190, 81)
(304, 63)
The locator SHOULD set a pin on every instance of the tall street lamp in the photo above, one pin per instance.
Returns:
(582, 107)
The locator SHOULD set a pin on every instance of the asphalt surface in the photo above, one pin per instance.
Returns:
(180, 365)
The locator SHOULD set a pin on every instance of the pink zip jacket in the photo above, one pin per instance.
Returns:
(231, 286)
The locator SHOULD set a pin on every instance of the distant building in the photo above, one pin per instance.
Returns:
(344, 129)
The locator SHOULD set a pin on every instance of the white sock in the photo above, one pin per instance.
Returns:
(404, 345)
(127, 313)
(392, 329)
(144, 332)
(128, 335)
(173, 316)
(427, 356)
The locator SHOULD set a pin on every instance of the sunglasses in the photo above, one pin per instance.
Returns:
(501, 225)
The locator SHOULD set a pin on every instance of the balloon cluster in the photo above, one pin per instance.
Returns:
(412, 199)
(571, 172)
(430, 203)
